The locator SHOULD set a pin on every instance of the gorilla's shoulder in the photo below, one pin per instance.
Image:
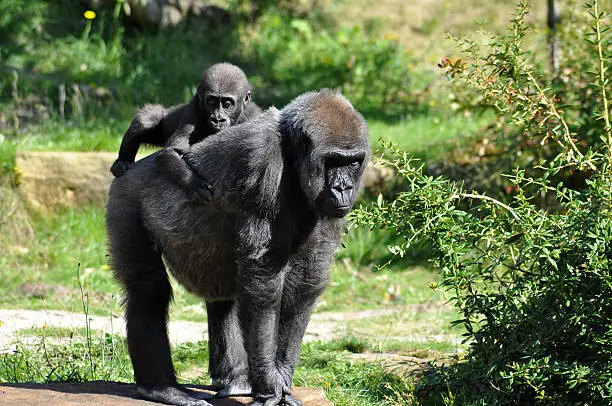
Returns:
(267, 121)
(260, 133)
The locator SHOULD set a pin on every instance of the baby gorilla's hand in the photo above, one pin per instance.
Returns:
(119, 168)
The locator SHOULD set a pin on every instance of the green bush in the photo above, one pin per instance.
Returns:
(19, 19)
(297, 54)
(534, 287)
(498, 72)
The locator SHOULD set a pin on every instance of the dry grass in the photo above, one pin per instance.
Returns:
(422, 25)
(16, 231)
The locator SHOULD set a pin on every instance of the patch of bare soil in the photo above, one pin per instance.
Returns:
(323, 326)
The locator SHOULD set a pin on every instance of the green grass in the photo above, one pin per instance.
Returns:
(70, 250)
(68, 247)
(328, 365)
(352, 288)
(427, 136)
(56, 332)
(54, 134)
(103, 357)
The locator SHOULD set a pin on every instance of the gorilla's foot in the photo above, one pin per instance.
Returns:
(285, 400)
(238, 386)
(199, 190)
(290, 400)
(172, 395)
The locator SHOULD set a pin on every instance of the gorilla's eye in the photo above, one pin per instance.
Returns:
(338, 161)
(227, 104)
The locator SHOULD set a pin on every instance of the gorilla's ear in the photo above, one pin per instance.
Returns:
(247, 98)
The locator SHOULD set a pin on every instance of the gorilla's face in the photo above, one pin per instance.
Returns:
(341, 172)
(327, 144)
(222, 110)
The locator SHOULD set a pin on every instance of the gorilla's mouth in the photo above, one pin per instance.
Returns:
(339, 211)
(219, 125)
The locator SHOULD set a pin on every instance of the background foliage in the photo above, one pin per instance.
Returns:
(533, 285)
(511, 205)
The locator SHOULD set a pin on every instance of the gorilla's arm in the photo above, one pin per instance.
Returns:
(259, 298)
(154, 125)
(145, 127)
(183, 130)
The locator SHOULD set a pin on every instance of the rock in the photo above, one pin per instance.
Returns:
(170, 16)
(17, 232)
(377, 178)
(153, 14)
(52, 180)
(116, 394)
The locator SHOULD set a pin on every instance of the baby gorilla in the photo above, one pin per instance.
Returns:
(223, 99)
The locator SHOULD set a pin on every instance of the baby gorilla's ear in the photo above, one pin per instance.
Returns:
(247, 98)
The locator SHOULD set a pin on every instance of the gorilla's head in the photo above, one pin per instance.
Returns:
(328, 145)
(223, 93)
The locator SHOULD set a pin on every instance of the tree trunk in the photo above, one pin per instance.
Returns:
(554, 46)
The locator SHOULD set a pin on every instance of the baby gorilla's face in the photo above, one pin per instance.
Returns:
(221, 110)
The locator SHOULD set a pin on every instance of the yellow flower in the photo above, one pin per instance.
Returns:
(90, 15)
(433, 285)
(392, 36)
(105, 267)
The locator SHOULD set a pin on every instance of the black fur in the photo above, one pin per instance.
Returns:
(223, 99)
(259, 253)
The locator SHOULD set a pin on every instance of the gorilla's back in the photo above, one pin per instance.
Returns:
(194, 238)
(198, 240)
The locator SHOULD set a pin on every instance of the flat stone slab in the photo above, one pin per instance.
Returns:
(52, 180)
(117, 394)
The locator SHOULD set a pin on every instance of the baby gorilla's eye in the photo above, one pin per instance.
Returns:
(227, 104)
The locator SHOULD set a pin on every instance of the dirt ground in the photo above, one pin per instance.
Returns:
(323, 326)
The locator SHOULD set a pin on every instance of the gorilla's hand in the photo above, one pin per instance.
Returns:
(119, 168)
(271, 389)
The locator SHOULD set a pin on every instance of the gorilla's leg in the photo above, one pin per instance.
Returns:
(259, 296)
(174, 168)
(148, 292)
(227, 355)
(301, 290)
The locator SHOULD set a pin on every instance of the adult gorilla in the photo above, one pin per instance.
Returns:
(259, 252)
